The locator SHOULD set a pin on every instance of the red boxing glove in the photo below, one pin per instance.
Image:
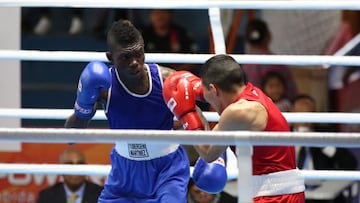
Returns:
(179, 95)
(196, 84)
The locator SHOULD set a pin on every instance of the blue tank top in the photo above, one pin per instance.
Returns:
(131, 163)
(127, 110)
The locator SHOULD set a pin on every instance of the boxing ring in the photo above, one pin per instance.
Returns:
(243, 139)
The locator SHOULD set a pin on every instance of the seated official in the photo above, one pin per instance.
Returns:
(74, 188)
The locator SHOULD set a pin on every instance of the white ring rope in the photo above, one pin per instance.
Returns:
(243, 139)
(61, 114)
(183, 137)
(66, 169)
(239, 138)
(82, 56)
(103, 170)
(191, 4)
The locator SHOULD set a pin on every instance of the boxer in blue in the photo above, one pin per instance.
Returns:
(132, 94)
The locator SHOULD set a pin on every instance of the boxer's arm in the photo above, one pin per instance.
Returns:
(242, 115)
(227, 121)
(202, 118)
(165, 73)
(178, 125)
(179, 97)
(210, 153)
(75, 122)
(193, 79)
(92, 87)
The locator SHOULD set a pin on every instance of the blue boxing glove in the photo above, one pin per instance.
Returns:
(94, 78)
(210, 177)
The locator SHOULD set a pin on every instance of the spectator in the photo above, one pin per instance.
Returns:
(103, 17)
(44, 24)
(195, 195)
(164, 36)
(74, 188)
(275, 87)
(303, 103)
(320, 158)
(352, 74)
(258, 38)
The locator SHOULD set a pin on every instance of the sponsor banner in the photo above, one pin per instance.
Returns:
(23, 188)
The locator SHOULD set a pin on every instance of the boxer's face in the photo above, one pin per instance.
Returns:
(211, 96)
(199, 196)
(129, 60)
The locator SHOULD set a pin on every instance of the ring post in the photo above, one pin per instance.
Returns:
(244, 181)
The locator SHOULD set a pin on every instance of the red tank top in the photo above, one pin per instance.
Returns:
(268, 159)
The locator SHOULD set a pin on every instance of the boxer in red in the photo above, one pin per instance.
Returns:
(242, 106)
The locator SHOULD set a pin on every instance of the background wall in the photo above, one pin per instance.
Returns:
(10, 76)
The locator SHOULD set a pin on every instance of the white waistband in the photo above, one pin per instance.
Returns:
(278, 183)
(144, 151)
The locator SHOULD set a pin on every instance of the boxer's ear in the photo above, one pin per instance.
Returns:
(109, 56)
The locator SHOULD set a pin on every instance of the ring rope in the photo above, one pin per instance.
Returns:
(239, 138)
(247, 138)
(219, 49)
(335, 117)
(103, 170)
(82, 56)
(190, 4)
